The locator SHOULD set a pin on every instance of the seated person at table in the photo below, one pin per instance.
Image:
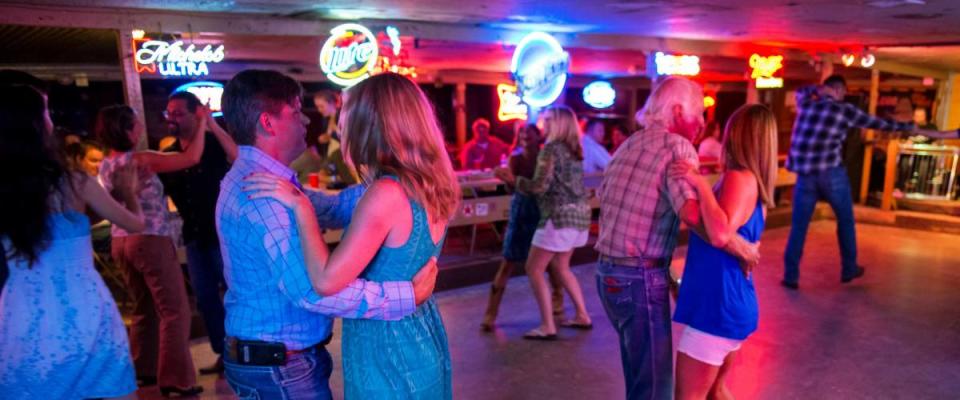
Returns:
(484, 151)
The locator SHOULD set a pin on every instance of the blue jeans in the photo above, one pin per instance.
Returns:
(831, 185)
(638, 304)
(206, 277)
(305, 376)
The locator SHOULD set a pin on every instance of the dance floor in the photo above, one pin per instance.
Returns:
(895, 333)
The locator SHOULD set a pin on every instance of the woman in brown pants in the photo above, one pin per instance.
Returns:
(159, 337)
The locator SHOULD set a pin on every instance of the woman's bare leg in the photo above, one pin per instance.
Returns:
(537, 264)
(719, 391)
(694, 378)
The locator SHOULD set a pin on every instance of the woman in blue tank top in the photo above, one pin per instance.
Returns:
(717, 301)
(391, 136)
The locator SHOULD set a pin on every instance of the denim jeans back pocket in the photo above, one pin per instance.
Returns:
(298, 367)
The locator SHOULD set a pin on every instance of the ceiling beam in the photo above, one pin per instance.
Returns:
(251, 24)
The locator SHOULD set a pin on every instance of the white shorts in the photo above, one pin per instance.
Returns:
(559, 240)
(706, 348)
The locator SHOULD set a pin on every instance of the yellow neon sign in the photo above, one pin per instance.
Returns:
(511, 106)
(764, 69)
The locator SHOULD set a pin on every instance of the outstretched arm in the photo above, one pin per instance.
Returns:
(954, 134)
(168, 162)
(224, 138)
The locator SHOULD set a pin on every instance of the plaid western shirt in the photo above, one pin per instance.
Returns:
(557, 184)
(269, 295)
(821, 128)
(639, 203)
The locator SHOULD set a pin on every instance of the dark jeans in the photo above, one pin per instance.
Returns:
(206, 276)
(305, 376)
(831, 185)
(638, 304)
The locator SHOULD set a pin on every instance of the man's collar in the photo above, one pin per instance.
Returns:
(263, 160)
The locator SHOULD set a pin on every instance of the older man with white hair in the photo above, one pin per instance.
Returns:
(640, 212)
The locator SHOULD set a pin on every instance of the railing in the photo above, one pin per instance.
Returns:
(927, 172)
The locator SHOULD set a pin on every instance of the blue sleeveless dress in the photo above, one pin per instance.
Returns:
(714, 296)
(61, 335)
(405, 359)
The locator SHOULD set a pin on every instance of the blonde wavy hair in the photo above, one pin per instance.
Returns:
(389, 128)
(560, 124)
(750, 143)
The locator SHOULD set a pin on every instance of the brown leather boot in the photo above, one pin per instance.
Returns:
(493, 306)
(556, 296)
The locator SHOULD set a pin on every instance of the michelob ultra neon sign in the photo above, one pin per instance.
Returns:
(176, 58)
(767, 71)
(349, 55)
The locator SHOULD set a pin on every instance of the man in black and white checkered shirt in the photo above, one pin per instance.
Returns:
(823, 121)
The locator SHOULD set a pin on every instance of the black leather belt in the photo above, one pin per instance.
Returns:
(638, 262)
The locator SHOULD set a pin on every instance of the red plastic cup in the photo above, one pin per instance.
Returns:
(314, 180)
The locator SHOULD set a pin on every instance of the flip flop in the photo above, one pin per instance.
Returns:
(537, 334)
(577, 325)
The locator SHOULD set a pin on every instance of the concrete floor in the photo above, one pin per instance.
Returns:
(894, 334)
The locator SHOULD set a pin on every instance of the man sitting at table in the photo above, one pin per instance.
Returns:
(484, 151)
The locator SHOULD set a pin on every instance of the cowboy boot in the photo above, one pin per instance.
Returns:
(556, 296)
(493, 306)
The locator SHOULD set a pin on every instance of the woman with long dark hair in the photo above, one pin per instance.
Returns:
(148, 258)
(61, 336)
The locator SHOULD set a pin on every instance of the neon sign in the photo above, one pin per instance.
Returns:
(349, 55)
(599, 94)
(172, 59)
(397, 62)
(668, 64)
(539, 67)
(709, 101)
(209, 94)
(767, 71)
(511, 106)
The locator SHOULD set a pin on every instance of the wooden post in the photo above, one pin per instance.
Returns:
(460, 110)
(869, 138)
(132, 93)
(631, 109)
(753, 95)
(893, 148)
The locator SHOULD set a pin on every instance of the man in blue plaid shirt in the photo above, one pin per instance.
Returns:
(823, 121)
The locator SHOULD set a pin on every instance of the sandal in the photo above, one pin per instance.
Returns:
(577, 325)
(537, 334)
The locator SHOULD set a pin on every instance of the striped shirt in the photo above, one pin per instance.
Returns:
(269, 294)
(821, 128)
(639, 203)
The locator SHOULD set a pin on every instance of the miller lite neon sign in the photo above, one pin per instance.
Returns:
(349, 55)
(767, 71)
